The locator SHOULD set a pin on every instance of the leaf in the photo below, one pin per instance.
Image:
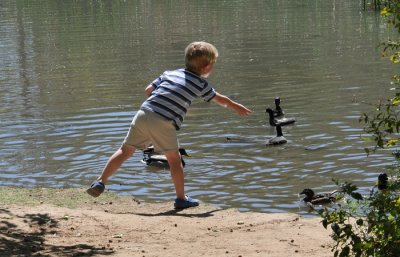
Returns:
(325, 223)
(397, 202)
(385, 12)
(345, 251)
(391, 142)
(356, 196)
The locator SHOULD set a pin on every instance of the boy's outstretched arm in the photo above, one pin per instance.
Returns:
(229, 103)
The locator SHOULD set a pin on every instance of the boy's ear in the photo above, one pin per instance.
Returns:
(206, 69)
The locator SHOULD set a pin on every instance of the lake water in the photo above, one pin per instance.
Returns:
(72, 75)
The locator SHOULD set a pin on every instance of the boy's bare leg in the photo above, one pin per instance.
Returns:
(116, 161)
(175, 165)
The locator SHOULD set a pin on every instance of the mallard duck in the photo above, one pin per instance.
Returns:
(152, 158)
(278, 112)
(279, 139)
(383, 181)
(282, 121)
(318, 199)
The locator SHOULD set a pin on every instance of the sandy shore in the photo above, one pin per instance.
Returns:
(44, 222)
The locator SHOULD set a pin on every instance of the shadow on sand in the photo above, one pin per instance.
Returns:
(17, 241)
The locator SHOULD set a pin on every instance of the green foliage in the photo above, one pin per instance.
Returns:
(365, 226)
(370, 225)
(384, 124)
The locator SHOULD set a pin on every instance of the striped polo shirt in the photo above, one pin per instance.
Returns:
(173, 93)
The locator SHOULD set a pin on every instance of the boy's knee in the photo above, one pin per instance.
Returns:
(127, 150)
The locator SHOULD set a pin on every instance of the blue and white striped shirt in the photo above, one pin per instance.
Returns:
(173, 93)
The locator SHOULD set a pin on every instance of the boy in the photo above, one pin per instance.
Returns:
(169, 97)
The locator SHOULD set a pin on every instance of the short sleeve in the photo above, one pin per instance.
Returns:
(209, 93)
(157, 82)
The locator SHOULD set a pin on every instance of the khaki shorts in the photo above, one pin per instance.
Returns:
(150, 128)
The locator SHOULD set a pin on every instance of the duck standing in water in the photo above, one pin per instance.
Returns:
(152, 158)
(282, 121)
(318, 199)
(278, 112)
(279, 139)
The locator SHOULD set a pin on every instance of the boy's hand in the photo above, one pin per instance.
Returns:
(234, 106)
(241, 109)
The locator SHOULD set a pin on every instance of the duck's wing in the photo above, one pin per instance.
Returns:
(157, 157)
(285, 121)
(322, 201)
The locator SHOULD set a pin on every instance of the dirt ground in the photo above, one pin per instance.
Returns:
(38, 223)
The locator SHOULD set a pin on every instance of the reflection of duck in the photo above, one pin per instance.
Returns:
(152, 158)
(279, 139)
(278, 112)
(282, 121)
(318, 199)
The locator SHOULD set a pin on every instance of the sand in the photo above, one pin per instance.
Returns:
(125, 226)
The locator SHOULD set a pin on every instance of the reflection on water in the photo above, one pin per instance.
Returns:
(73, 73)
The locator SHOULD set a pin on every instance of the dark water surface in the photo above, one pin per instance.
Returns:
(72, 75)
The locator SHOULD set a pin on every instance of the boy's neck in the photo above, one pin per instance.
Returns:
(194, 72)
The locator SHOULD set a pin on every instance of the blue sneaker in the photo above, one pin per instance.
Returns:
(96, 189)
(186, 203)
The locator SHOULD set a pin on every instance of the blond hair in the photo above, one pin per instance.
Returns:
(200, 54)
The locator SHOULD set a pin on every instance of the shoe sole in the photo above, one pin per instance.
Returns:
(94, 192)
(184, 207)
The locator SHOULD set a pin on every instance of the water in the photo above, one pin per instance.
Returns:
(73, 73)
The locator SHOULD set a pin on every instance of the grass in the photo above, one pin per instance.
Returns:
(64, 197)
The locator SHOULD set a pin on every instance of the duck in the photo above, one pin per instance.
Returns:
(383, 181)
(279, 139)
(318, 199)
(152, 158)
(282, 121)
(278, 112)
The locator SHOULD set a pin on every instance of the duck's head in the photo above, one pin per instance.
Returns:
(277, 101)
(271, 116)
(269, 111)
(309, 193)
(382, 181)
(182, 151)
